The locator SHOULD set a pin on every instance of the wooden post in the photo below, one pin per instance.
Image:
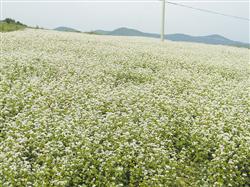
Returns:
(163, 21)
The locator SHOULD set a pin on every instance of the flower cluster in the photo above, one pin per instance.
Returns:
(89, 110)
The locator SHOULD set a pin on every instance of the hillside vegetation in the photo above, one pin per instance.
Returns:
(8, 25)
(89, 110)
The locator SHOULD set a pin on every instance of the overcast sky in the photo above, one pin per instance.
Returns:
(145, 16)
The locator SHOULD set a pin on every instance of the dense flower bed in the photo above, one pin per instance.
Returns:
(85, 110)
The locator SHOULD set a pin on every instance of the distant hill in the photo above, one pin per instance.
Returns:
(127, 32)
(101, 32)
(66, 29)
(210, 39)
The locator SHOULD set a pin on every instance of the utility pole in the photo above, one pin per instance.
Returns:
(163, 21)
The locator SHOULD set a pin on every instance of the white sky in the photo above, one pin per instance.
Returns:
(144, 16)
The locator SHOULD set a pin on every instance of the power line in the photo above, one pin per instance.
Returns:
(208, 11)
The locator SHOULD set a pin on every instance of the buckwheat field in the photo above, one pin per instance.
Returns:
(89, 110)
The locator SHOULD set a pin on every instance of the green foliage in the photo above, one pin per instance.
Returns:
(9, 20)
(9, 24)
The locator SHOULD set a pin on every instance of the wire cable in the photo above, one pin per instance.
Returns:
(208, 11)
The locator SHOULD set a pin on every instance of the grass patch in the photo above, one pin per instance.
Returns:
(9, 25)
